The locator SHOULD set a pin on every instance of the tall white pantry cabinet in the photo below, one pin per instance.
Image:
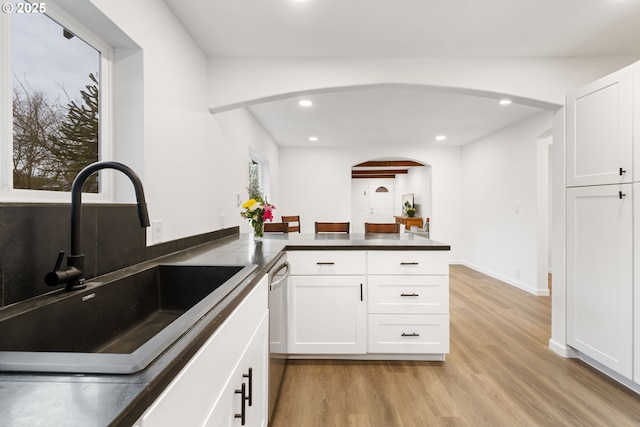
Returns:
(603, 203)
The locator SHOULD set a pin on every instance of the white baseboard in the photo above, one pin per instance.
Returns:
(508, 280)
(562, 349)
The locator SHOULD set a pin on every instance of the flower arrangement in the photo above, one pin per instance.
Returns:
(257, 210)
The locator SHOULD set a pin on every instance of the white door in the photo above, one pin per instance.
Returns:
(380, 203)
(600, 274)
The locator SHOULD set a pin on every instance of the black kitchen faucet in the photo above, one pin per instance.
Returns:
(73, 274)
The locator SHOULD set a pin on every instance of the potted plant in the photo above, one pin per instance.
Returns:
(411, 212)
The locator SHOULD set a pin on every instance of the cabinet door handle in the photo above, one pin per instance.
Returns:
(243, 410)
(621, 194)
(250, 377)
(361, 298)
(413, 334)
(622, 171)
(409, 295)
(408, 263)
(325, 263)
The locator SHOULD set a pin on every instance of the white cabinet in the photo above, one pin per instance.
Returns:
(599, 131)
(369, 304)
(201, 392)
(600, 274)
(603, 153)
(636, 282)
(327, 308)
(408, 302)
(243, 401)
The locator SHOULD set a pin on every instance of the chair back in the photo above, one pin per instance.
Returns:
(293, 221)
(332, 227)
(276, 227)
(381, 227)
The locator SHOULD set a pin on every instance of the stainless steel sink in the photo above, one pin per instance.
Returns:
(114, 327)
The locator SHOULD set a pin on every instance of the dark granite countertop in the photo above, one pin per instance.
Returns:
(34, 399)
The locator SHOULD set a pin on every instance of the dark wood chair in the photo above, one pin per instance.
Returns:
(276, 227)
(292, 219)
(332, 227)
(381, 227)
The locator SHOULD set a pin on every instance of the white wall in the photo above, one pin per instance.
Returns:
(192, 171)
(418, 182)
(316, 184)
(541, 82)
(500, 199)
(245, 134)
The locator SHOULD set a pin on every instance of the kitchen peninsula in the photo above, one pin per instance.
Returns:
(377, 263)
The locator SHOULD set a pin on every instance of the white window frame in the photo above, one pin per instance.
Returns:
(263, 171)
(7, 192)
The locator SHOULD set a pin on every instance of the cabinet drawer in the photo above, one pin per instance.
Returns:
(409, 294)
(408, 333)
(408, 262)
(327, 262)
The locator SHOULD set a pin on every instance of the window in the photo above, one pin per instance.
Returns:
(58, 99)
(258, 174)
(255, 178)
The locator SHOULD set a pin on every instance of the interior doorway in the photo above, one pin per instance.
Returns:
(371, 201)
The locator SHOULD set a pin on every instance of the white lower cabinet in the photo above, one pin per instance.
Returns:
(327, 306)
(203, 392)
(244, 399)
(327, 315)
(408, 302)
(369, 303)
(600, 274)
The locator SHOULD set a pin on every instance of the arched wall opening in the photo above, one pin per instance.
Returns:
(406, 180)
(383, 85)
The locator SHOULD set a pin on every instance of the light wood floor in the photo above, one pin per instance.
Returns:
(500, 372)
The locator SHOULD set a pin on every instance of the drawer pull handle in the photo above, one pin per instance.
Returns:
(325, 263)
(250, 377)
(413, 334)
(409, 295)
(408, 263)
(243, 410)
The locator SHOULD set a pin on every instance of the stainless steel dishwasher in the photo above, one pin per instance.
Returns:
(278, 277)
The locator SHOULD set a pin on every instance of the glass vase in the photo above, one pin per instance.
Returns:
(258, 231)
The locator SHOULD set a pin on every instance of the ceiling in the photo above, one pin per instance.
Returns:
(403, 29)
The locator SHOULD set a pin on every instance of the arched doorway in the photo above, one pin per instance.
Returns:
(378, 187)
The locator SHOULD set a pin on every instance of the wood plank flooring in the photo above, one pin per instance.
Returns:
(500, 372)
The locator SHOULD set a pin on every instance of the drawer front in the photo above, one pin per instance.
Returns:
(408, 333)
(409, 294)
(327, 262)
(408, 262)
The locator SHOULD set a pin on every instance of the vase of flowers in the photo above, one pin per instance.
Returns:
(257, 211)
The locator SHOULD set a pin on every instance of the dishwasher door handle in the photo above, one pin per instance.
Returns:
(278, 269)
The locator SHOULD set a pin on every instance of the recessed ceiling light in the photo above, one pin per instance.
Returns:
(313, 138)
(505, 102)
(305, 103)
(441, 137)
